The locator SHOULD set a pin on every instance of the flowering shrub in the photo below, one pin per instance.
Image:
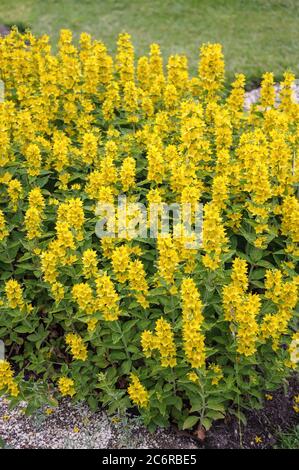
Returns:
(185, 334)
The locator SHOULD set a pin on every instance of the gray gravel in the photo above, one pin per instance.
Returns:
(253, 96)
(74, 426)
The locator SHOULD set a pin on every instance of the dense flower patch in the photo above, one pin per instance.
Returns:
(184, 333)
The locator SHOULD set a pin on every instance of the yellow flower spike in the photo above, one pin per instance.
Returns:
(7, 381)
(33, 159)
(90, 263)
(267, 90)
(128, 173)
(33, 221)
(83, 295)
(14, 190)
(107, 300)
(77, 346)
(137, 280)
(192, 307)
(211, 69)
(137, 392)
(14, 294)
(3, 229)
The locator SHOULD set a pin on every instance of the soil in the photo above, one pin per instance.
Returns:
(277, 416)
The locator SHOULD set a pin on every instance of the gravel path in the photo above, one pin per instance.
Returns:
(74, 426)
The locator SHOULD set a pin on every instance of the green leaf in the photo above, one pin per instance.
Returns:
(215, 415)
(196, 405)
(257, 274)
(207, 423)
(92, 403)
(126, 367)
(255, 253)
(216, 406)
(190, 422)
(117, 355)
(240, 415)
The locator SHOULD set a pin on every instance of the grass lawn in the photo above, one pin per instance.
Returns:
(257, 35)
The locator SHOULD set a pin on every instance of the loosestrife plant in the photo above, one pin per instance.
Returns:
(182, 333)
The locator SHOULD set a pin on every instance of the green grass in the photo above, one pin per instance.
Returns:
(257, 35)
(289, 440)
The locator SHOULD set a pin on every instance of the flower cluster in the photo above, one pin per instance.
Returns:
(138, 394)
(77, 346)
(192, 320)
(242, 308)
(7, 381)
(163, 340)
(66, 386)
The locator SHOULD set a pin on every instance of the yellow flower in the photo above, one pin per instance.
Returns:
(290, 218)
(211, 68)
(78, 348)
(267, 90)
(242, 308)
(235, 101)
(125, 58)
(192, 307)
(7, 382)
(148, 342)
(138, 394)
(14, 294)
(214, 236)
(36, 199)
(83, 295)
(91, 324)
(137, 281)
(14, 190)
(239, 274)
(57, 290)
(127, 173)
(89, 148)
(168, 258)
(33, 222)
(3, 229)
(90, 263)
(33, 159)
(107, 300)
(217, 373)
(120, 260)
(163, 340)
(66, 386)
(193, 377)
